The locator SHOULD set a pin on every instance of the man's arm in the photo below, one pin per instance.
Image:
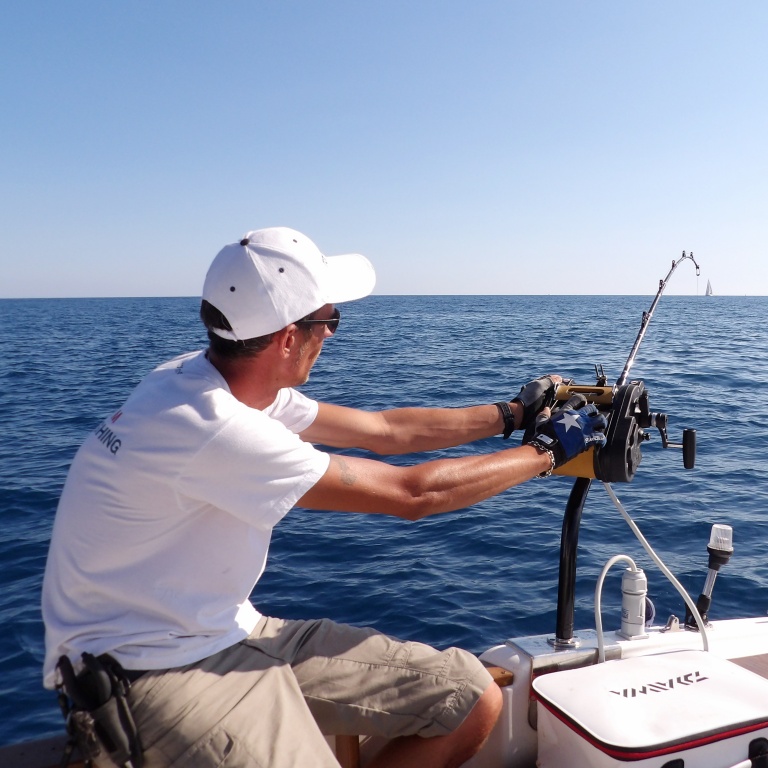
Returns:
(404, 430)
(353, 484)
(409, 430)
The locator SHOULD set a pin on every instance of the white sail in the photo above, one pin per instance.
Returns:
(709, 288)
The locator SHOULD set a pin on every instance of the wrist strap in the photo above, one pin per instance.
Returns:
(509, 419)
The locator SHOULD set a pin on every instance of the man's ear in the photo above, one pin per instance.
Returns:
(286, 339)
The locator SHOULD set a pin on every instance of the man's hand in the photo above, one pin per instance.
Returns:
(569, 431)
(535, 395)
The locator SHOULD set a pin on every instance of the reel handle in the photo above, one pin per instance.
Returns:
(659, 420)
(689, 448)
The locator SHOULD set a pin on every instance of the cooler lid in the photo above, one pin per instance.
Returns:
(656, 704)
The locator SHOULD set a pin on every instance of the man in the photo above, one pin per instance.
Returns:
(164, 525)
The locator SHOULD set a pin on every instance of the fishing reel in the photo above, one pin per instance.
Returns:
(629, 419)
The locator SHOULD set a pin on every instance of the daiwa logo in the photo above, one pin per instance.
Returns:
(659, 687)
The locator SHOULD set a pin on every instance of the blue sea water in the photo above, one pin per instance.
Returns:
(473, 577)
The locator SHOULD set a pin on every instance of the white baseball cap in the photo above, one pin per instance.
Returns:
(275, 276)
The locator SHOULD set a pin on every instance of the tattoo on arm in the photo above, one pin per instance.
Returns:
(348, 477)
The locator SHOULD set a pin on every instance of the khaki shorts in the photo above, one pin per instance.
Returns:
(267, 701)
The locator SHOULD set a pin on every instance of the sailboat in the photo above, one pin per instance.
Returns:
(709, 288)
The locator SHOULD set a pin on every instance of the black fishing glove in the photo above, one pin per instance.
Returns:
(535, 395)
(570, 430)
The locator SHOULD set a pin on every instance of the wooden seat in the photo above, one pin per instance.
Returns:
(348, 751)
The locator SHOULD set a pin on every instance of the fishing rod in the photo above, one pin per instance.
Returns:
(649, 314)
(625, 404)
(629, 416)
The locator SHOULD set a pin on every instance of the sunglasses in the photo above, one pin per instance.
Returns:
(332, 323)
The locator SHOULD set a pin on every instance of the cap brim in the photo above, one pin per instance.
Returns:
(350, 276)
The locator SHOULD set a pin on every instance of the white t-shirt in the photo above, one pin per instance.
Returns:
(165, 520)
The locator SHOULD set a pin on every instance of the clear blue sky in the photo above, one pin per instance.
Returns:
(466, 147)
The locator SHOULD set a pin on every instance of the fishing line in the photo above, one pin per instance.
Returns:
(697, 320)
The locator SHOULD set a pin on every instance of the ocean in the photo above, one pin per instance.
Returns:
(470, 578)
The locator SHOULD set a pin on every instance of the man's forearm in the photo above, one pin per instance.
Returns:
(354, 484)
(405, 430)
(410, 430)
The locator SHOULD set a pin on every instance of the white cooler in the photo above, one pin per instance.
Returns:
(686, 709)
